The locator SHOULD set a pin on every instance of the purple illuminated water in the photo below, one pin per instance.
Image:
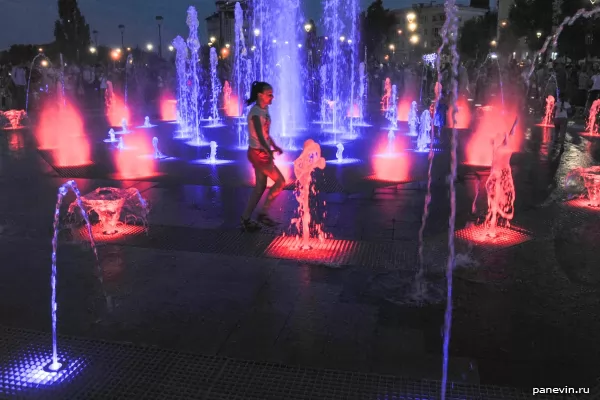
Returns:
(215, 85)
(29, 78)
(425, 131)
(62, 191)
(392, 112)
(194, 45)
(413, 119)
(183, 108)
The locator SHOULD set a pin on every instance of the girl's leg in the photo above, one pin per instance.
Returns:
(276, 176)
(259, 189)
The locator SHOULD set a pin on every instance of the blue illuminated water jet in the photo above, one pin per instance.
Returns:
(183, 117)
(215, 84)
(55, 365)
(212, 157)
(194, 45)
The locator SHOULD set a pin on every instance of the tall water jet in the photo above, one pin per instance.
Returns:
(333, 59)
(240, 58)
(183, 117)
(128, 66)
(194, 45)
(29, 79)
(362, 91)
(549, 112)
(591, 126)
(215, 86)
(305, 164)
(500, 188)
(353, 41)
(392, 113)
(413, 119)
(278, 36)
(55, 365)
(425, 131)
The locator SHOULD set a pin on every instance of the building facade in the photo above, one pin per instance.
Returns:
(221, 24)
(428, 23)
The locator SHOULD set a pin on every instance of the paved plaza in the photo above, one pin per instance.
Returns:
(196, 309)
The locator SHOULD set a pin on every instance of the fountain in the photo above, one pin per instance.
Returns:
(392, 113)
(111, 137)
(547, 122)
(387, 93)
(128, 66)
(55, 365)
(339, 153)
(413, 119)
(121, 145)
(591, 127)
(29, 78)
(212, 159)
(591, 180)
(215, 120)
(424, 138)
(157, 154)
(213, 152)
(124, 129)
(183, 107)
(500, 187)
(227, 96)
(242, 65)
(109, 204)
(14, 119)
(147, 123)
(309, 160)
(391, 139)
(194, 45)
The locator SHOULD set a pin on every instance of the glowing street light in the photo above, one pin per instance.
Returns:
(503, 23)
(44, 63)
(118, 51)
(412, 27)
(414, 39)
(256, 32)
(307, 27)
(115, 55)
(538, 34)
(149, 46)
(213, 39)
(349, 41)
(392, 47)
(410, 17)
(171, 48)
(40, 49)
(92, 49)
(224, 52)
(227, 45)
(253, 48)
(129, 49)
(399, 31)
(342, 39)
(493, 43)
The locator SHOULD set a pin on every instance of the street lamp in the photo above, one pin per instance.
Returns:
(538, 34)
(410, 17)
(342, 39)
(159, 21)
(414, 39)
(227, 45)
(307, 27)
(149, 46)
(122, 29)
(40, 50)
(213, 39)
(92, 49)
(412, 26)
(493, 43)
(399, 31)
(171, 48)
(256, 32)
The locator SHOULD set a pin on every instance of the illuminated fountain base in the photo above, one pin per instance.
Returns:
(13, 119)
(504, 237)
(197, 142)
(212, 162)
(318, 251)
(215, 124)
(591, 180)
(108, 203)
(344, 161)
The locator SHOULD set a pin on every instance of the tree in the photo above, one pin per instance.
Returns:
(71, 32)
(476, 35)
(378, 26)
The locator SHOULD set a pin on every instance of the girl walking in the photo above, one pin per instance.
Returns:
(260, 154)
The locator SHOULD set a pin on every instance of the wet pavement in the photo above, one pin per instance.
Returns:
(525, 310)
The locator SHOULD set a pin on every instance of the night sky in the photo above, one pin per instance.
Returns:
(32, 21)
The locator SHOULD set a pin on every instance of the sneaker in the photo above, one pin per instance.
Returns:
(266, 220)
(249, 226)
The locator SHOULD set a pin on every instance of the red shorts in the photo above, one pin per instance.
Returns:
(259, 158)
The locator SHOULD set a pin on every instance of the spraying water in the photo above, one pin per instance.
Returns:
(111, 136)
(121, 145)
(362, 92)
(213, 152)
(216, 87)
(591, 127)
(549, 113)
(62, 81)
(413, 119)
(128, 66)
(182, 88)
(157, 153)
(391, 139)
(387, 93)
(339, 154)
(194, 45)
(240, 64)
(425, 131)
(55, 365)
(29, 79)
(278, 34)
(392, 112)
(353, 41)
(305, 164)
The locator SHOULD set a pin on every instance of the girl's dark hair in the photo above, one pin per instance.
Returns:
(257, 87)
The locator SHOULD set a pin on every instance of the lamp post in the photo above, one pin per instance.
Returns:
(122, 29)
(95, 32)
(159, 21)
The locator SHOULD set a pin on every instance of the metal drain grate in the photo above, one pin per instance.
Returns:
(85, 172)
(478, 236)
(104, 370)
(123, 231)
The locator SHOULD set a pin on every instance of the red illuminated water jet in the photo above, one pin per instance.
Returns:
(14, 118)
(116, 109)
(168, 109)
(463, 115)
(61, 129)
(353, 112)
(479, 149)
(591, 127)
(548, 112)
(387, 94)
(132, 162)
(390, 167)
(404, 109)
